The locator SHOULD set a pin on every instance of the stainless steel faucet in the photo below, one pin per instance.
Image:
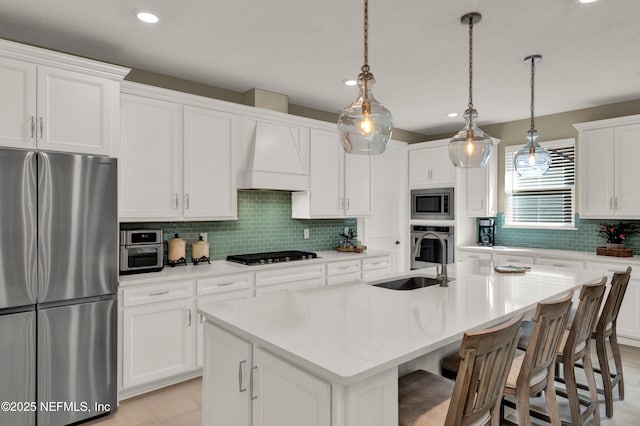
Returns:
(442, 276)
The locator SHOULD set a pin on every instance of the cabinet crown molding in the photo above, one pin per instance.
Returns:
(609, 122)
(41, 56)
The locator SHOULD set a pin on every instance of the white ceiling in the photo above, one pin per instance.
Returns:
(417, 49)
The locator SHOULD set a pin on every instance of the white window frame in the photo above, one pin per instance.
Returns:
(510, 151)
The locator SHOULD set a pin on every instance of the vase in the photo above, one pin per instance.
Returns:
(614, 245)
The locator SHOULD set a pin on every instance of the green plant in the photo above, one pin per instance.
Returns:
(350, 234)
(617, 233)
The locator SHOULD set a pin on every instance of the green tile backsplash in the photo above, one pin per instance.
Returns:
(584, 238)
(264, 224)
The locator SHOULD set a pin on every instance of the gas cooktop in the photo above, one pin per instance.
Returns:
(271, 257)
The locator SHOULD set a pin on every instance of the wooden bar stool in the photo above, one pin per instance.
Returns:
(428, 399)
(606, 329)
(533, 371)
(575, 347)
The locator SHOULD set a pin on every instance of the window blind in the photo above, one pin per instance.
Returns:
(546, 201)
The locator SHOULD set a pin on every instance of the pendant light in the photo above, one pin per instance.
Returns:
(532, 160)
(470, 147)
(365, 126)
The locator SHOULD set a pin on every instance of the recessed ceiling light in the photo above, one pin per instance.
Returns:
(146, 16)
(586, 1)
(452, 115)
(350, 82)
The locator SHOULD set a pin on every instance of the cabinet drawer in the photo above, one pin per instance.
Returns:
(343, 278)
(157, 293)
(471, 255)
(376, 263)
(345, 267)
(513, 259)
(288, 275)
(615, 267)
(288, 286)
(574, 265)
(224, 283)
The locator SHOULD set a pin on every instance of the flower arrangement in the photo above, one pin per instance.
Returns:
(617, 233)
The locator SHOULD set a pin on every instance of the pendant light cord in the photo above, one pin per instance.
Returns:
(470, 106)
(532, 84)
(365, 66)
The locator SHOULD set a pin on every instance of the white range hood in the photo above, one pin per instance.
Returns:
(276, 156)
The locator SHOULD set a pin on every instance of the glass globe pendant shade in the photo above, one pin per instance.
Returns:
(470, 147)
(532, 160)
(365, 126)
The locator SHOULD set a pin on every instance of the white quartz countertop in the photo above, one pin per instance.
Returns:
(222, 267)
(345, 333)
(557, 254)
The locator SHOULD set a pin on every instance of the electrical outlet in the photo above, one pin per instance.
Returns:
(346, 230)
(204, 236)
(305, 233)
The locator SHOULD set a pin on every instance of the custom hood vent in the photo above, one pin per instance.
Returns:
(276, 154)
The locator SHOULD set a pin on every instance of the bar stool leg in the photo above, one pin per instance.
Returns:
(591, 381)
(615, 349)
(550, 397)
(601, 348)
(572, 392)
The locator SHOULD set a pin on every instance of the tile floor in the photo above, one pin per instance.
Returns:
(181, 404)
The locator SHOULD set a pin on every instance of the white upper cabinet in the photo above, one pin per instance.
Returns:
(607, 173)
(58, 102)
(430, 166)
(150, 159)
(209, 175)
(177, 161)
(482, 187)
(340, 184)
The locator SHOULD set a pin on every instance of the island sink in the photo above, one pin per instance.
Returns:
(409, 283)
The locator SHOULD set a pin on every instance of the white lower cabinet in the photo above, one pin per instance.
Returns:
(283, 279)
(573, 265)
(462, 255)
(344, 271)
(247, 386)
(158, 341)
(513, 259)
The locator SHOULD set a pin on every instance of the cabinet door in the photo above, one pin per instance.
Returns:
(327, 174)
(158, 341)
(627, 172)
(286, 395)
(76, 112)
(443, 173)
(18, 106)
(482, 187)
(595, 173)
(151, 158)
(357, 184)
(419, 167)
(225, 394)
(628, 324)
(209, 175)
(220, 297)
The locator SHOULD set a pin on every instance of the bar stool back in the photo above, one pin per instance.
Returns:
(474, 398)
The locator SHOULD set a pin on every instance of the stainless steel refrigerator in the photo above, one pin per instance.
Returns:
(58, 280)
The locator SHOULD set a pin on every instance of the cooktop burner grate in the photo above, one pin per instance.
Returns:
(271, 257)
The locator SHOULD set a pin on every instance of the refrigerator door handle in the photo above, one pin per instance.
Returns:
(33, 126)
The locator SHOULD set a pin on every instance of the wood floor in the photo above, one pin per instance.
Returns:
(181, 405)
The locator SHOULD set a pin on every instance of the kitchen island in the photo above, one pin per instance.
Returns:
(330, 356)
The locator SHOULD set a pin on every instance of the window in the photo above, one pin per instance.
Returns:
(542, 202)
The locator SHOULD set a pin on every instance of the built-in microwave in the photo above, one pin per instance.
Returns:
(434, 203)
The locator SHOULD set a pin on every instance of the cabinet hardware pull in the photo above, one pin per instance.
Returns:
(615, 202)
(176, 199)
(347, 204)
(482, 204)
(397, 242)
(33, 126)
(41, 128)
(201, 319)
(189, 317)
(240, 389)
(559, 265)
(253, 397)
(159, 293)
(341, 203)
(610, 203)
(188, 201)
(225, 284)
